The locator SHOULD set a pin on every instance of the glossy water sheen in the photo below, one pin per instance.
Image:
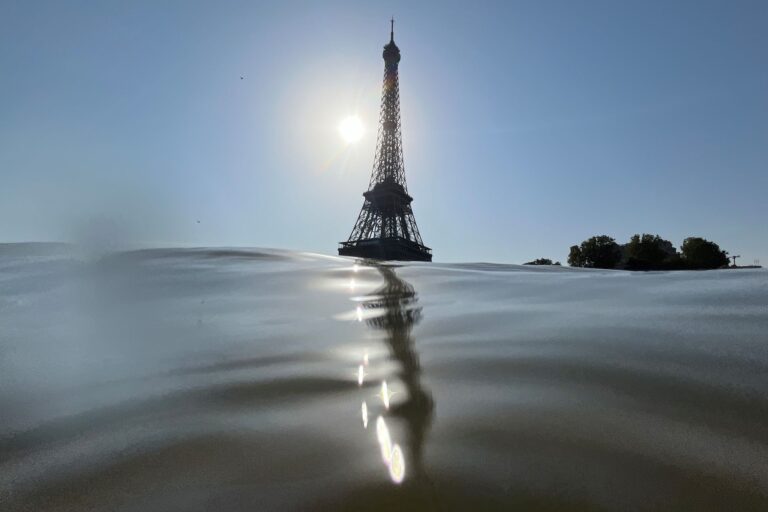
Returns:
(262, 380)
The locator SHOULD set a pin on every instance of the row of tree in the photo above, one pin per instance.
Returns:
(647, 252)
(542, 261)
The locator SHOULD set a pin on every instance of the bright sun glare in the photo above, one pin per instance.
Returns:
(351, 129)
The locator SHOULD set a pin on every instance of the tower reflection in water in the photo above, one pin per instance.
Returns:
(393, 309)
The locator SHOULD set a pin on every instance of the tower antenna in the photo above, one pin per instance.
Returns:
(392, 29)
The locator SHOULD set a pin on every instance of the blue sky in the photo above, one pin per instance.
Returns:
(528, 126)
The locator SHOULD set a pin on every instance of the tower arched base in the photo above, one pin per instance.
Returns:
(386, 249)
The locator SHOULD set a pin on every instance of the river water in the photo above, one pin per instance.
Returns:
(259, 380)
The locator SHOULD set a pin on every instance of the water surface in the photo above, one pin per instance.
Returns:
(232, 379)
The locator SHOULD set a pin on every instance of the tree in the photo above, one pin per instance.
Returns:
(541, 261)
(575, 257)
(649, 252)
(596, 252)
(699, 253)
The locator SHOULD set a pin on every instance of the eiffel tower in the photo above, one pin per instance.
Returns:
(386, 228)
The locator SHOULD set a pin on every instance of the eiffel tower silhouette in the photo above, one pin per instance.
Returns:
(386, 228)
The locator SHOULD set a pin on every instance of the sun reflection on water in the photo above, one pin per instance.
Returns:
(385, 394)
(397, 465)
(360, 375)
(385, 440)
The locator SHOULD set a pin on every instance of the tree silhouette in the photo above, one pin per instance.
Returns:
(699, 253)
(649, 252)
(596, 252)
(542, 261)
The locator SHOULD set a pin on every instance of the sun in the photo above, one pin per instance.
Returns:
(351, 129)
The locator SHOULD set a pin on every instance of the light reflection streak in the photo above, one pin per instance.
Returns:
(359, 312)
(385, 394)
(385, 440)
(360, 375)
(365, 414)
(397, 465)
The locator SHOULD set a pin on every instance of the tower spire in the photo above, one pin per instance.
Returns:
(386, 228)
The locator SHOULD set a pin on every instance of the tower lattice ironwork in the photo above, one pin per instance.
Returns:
(386, 228)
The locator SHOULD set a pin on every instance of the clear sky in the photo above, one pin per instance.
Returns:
(528, 125)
